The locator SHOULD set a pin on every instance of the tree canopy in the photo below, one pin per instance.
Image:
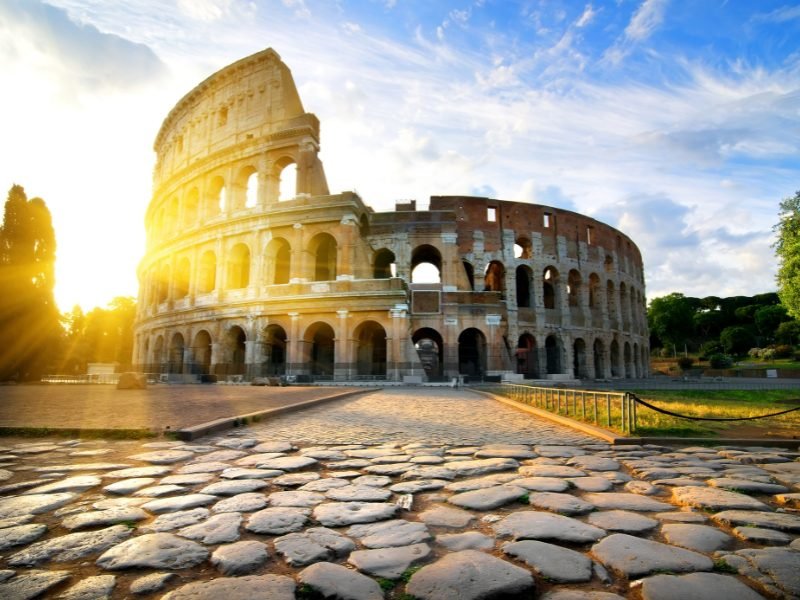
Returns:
(29, 319)
(787, 247)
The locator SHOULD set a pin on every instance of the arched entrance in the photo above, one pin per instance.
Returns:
(552, 348)
(599, 359)
(579, 359)
(274, 350)
(616, 367)
(430, 348)
(201, 348)
(175, 363)
(237, 349)
(370, 350)
(320, 337)
(527, 356)
(472, 353)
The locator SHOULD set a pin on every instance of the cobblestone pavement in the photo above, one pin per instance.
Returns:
(450, 496)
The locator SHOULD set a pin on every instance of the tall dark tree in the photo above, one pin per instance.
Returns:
(29, 319)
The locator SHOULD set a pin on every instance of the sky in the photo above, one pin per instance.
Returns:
(676, 121)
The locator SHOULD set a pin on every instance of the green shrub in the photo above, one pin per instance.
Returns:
(685, 363)
(737, 340)
(709, 348)
(720, 361)
(783, 351)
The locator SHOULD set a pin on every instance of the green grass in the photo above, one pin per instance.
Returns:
(406, 576)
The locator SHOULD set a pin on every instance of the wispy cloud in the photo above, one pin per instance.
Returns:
(647, 18)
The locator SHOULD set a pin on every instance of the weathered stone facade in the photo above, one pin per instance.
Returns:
(237, 281)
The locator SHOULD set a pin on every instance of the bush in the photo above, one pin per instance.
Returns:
(685, 363)
(720, 361)
(709, 348)
(737, 340)
(782, 351)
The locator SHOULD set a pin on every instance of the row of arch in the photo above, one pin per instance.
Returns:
(218, 197)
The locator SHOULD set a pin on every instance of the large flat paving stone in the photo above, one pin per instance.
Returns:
(535, 525)
(550, 471)
(397, 532)
(543, 484)
(337, 514)
(233, 487)
(564, 504)
(316, 544)
(747, 486)
(79, 483)
(219, 529)
(780, 521)
(247, 502)
(580, 595)
(70, 547)
(240, 558)
(701, 538)
(98, 587)
(278, 520)
(636, 557)
(97, 518)
(288, 463)
(154, 551)
(338, 582)
(470, 575)
(359, 493)
(696, 586)
(388, 562)
(176, 520)
(471, 468)
(488, 498)
(552, 562)
(33, 505)
(164, 505)
(622, 521)
(469, 540)
(163, 457)
(249, 587)
(444, 516)
(21, 534)
(625, 501)
(775, 567)
(31, 584)
(295, 498)
(715, 499)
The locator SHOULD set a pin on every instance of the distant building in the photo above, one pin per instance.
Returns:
(253, 268)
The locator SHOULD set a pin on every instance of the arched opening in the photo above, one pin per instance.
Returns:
(599, 359)
(158, 354)
(609, 264)
(201, 349)
(552, 347)
(550, 287)
(237, 349)
(524, 279)
(208, 272)
(574, 287)
(171, 216)
(636, 368)
(163, 283)
(527, 356)
(216, 197)
(579, 367)
(430, 349)
(239, 267)
(323, 248)
(470, 271)
(191, 206)
(594, 291)
(251, 190)
(611, 303)
(472, 353)
(182, 278)
(274, 350)
(320, 336)
(426, 265)
(370, 349)
(287, 186)
(385, 265)
(494, 279)
(175, 363)
(279, 261)
(523, 248)
(616, 367)
(628, 361)
(623, 306)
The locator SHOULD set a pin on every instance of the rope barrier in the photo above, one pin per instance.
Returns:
(674, 414)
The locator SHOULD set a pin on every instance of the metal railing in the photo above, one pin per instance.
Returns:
(614, 410)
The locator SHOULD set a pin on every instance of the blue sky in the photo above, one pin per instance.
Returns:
(677, 121)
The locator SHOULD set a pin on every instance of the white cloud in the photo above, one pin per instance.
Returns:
(205, 10)
(586, 17)
(645, 20)
(301, 11)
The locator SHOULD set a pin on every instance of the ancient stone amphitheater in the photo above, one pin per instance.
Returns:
(253, 268)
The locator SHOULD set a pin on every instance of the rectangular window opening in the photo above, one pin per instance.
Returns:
(590, 235)
(491, 214)
(547, 220)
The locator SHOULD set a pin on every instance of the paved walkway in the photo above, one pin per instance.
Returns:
(433, 497)
(158, 407)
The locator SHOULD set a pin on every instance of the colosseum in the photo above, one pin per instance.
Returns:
(253, 268)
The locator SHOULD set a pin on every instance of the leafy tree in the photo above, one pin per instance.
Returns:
(787, 248)
(101, 335)
(737, 340)
(788, 332)
(29, 319)
(671, 318)
(768, 318)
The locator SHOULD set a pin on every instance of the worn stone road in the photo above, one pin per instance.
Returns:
(429, 494)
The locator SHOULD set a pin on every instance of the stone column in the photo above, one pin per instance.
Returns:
(298, 266)
(345, 269)
(450, 338)
(342, 349)
(450, 261)
(395, 359)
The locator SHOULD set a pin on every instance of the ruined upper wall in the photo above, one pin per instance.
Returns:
(252, 99)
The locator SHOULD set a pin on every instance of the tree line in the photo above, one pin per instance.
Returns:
(35, 339)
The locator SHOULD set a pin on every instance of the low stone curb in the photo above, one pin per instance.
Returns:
(196, 431)
(617, 440)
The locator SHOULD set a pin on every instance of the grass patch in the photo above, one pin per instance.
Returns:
(406, 576)
(386, 584)
(721, 566)
(106, 434)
